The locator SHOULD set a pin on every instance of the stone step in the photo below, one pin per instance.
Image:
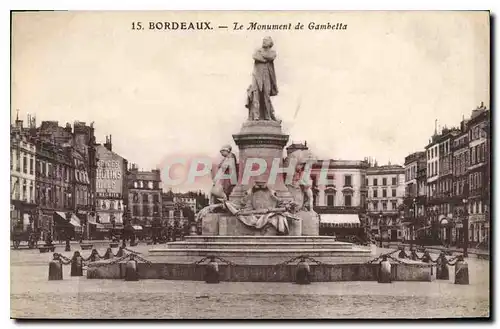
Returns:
(255, 256)
(261, 245)
(252, 238)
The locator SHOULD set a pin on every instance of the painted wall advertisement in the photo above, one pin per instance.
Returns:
(109, 176)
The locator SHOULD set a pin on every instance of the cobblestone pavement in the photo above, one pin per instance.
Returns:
(32, 295)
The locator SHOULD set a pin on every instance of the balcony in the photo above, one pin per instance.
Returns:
(337, 210)
(383, 212)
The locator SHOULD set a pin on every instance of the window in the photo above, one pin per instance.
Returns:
(366, 181)
(375, 205)
(330, 200)
(394, 192)
(25, 164)
(145, 198)
(150, 185)
(375, 193)
(394, 205)
(384, 205)
(25, 196)
(18, 160)
(375, 182)
(156, 210)
(384, 193)
(394, 179)
(135, 210)
(347, 200)
(145, 210)
(347, 180)
(31, 196)
(156, 198)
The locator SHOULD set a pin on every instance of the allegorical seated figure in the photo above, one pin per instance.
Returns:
(225, 176)
(300, 185)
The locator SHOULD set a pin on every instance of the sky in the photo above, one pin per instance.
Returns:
(374, 89)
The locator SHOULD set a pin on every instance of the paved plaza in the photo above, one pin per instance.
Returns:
(32, 295)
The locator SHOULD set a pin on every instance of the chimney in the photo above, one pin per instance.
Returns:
(108, 145)
(19, 123)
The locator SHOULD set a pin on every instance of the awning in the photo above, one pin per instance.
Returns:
(104, 217)
(339, 220)
(75, 221)
(93, 222)
(137, 227)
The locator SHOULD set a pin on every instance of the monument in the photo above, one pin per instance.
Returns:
(260, 221)
(261, 204)
(261, 209)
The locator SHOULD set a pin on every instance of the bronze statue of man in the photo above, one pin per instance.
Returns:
(263, 83)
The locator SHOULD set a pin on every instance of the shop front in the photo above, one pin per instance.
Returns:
(66, 225)
(346, 227)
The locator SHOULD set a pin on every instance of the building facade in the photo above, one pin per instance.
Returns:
(460, 191)
(444, 201)
(386, 190)
(144, 197)
(478, 177)
(414, 201)
(432, 209)
(22, 177)
(64, 172)
(456, 181)
(340, 201)
(111, 188)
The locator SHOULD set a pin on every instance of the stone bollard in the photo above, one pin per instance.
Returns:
(461, 271)
(77, 264)
(131, 273)
(303, 272)
(55, 268)
(212, 271)
(426, 258)
(442, 272)
(402, 253)
(384, 272)
(108, 254)
(94, 255)
(120, 252)
(414, 255)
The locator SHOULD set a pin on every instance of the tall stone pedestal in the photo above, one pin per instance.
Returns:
(261, 140)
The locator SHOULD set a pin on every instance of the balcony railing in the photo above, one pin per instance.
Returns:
(337, 209)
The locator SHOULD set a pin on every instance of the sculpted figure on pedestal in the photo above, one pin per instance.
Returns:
(263, 84)
(300, 184)
(225, 176)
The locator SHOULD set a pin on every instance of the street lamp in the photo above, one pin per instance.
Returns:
(66, 231)
(466, 227)
(380, 227)
(412, 227)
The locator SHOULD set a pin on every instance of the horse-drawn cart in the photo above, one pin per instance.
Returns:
(18, 235)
